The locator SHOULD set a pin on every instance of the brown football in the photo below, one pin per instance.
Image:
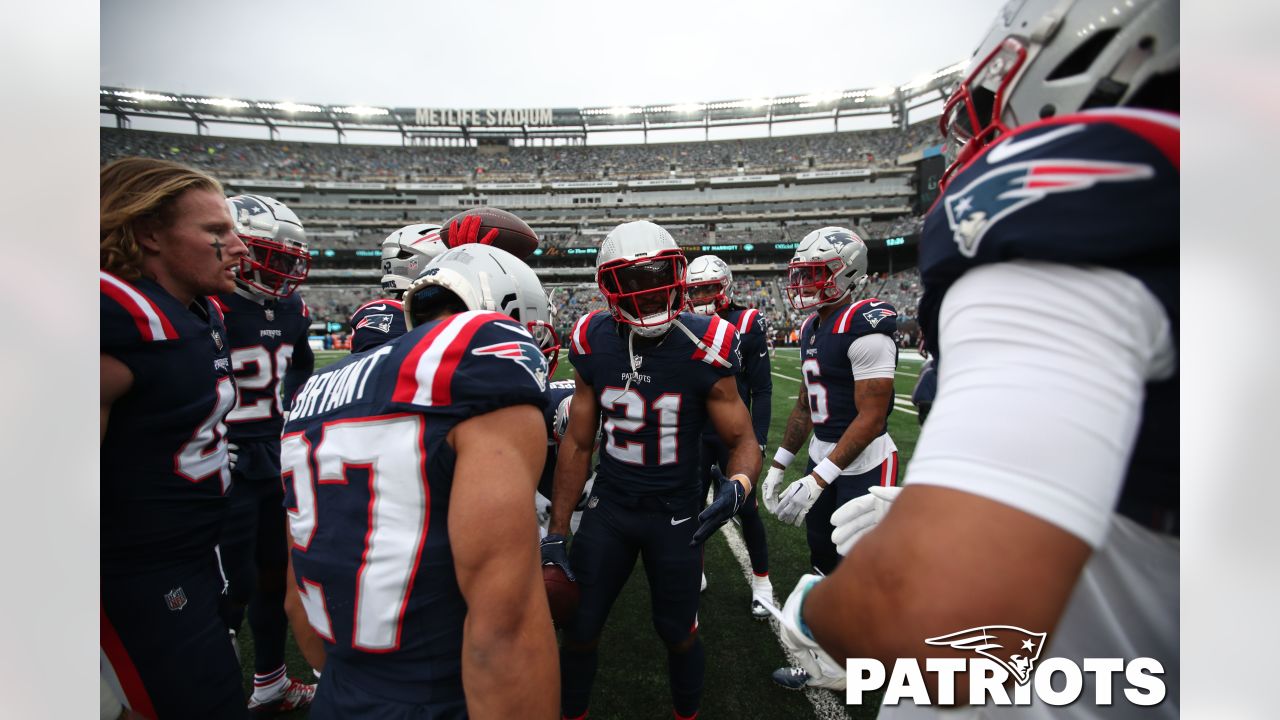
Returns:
(562, 594)
(514, 235)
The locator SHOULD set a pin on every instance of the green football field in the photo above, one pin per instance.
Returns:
(741, 652)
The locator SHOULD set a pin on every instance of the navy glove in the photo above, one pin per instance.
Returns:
(555, 552)
(730, 495)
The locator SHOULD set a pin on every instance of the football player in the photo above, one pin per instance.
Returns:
(167, 241)
(559, 400)
(658, 376)
(267, 323)
(1043, 493)
(709, 281)
(847, 361)
(410, 470)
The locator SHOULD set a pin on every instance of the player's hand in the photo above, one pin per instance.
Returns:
(467, 232)
(855, 518)
(797, 499)
(730, 495)
(586, 493)
(555, 551)
(823, 671)
(233, 455)
(769, 489)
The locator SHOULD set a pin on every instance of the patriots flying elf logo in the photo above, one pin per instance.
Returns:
(524, 354)
(380, 322)
(973, 210)
(875, 315)
(1015, 649)
(838, 237)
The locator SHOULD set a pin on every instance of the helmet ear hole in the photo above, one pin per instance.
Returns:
(1081, 59)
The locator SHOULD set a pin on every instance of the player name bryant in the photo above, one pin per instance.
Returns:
(1056, 682)
(332, 390)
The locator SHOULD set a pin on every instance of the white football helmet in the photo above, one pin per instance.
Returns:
(406, 253)
(483, 277)
(826, 268)
(278, 260)
(1043, 58)
(640, 271)
(707, 284)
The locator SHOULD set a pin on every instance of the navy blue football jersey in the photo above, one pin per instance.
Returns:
(755, 383)
(653, 415)
(164, 456)
(368, 474)
(375, 323)
(1098, 188)
(268, 342)
(557, 392)
(825, 367)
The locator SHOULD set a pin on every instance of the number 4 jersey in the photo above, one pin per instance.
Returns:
(368, 474)
(164, 456)
(654, 405)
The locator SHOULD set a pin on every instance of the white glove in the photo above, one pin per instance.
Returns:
(824, 672)
(797, 499)
(233, 455)
(542, 507)
(855, 518)
(769, 489)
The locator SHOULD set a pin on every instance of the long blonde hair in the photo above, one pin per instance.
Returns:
(134, 191)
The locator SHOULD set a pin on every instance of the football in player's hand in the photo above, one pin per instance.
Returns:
(562, 594)
(493, 227)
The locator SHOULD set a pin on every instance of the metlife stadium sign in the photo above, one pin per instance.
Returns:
(493, 117)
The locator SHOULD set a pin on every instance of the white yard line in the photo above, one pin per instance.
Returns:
(826, 705)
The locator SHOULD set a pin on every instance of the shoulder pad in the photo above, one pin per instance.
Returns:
(580, 336)
(375, 323)
(468, 356)
(129, 315)
(718, 337)
(750, 321)
(869, 316)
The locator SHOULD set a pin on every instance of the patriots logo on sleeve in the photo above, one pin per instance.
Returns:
(874, 316)
(1000, 192)
(380, 322)
(524, 354)
(1015, 649)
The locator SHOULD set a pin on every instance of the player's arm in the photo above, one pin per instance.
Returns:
(311, 645)
(729, 416)
(756, 365)
(1008, 490)
(300, 368)
(510, 666)
(573, 461)
(114, 380)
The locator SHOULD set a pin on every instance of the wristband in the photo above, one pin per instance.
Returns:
(827, 470)
(746, 482)
(783, 457)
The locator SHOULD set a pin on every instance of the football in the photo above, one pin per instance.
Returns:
(563, 594)
(514, 235)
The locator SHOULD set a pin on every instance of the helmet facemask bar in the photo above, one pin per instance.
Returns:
(813, 283)
(545, 336)
(708, 297)
(973, 115)
(273, 268)
(646, 292)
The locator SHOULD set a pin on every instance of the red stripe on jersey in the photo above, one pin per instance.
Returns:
(218, 307)
(306, 311)
(745, 320)
(453, 355)
(407, 381)
(709, 339)
(579, 334)
(804, 325)
(151, 322)
(135, 693)
(846, 318)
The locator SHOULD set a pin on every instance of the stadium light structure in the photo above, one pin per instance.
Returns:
(468, 125)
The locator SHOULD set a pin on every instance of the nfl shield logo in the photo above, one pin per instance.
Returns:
(271, 314)
(176, 599)
(217, 339)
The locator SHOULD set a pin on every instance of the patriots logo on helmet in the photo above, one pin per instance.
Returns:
(380, 322)
(997, 194)
(1015, 649)
(524, 354)
(876, 315)
(838, 237)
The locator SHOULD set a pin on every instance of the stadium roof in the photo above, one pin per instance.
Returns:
(475, 123)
